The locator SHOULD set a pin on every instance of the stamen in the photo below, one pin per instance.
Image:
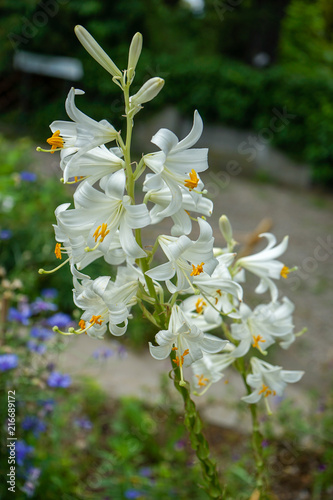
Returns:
(266, 391)
(193, 181)
(284, 272)
(57, 251)
(42, 271)
(95, 320)
(197, 269)
(180, 361)
(82, 324)
(202, 382)
(199, 305)
(256, 341)
(101, 232)
(55, 141)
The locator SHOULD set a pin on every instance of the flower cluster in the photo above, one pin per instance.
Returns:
(203, 283)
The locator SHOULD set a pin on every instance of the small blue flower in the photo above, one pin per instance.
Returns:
(102, 353)
(57, 379)
(5, 234)
(48, 405)
(40, 305)
(28, 176)
(41, 333)
(22, 450)
(83, 423)
(59, 319)
(131, 493)
(36, 347)
(31, 481)
(21, 315)
(34, 424)
(8, 361)
(49, 293)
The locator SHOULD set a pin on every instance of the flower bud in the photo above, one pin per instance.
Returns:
(134, 54)
(148, 91)
(225, 228)
(96, 51)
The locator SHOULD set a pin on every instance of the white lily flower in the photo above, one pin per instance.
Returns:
(197, 311)
(94, 164)
(263, 326)
(186, 339)
(218, 287)
(100, 215)
(265, 265)
(104, 303)
(176, 164)
(268, 380)
(190, 203)
(187, 259)
(82, 134)
(208, 370)
(72, 246)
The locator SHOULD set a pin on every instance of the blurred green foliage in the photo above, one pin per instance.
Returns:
(206, 57)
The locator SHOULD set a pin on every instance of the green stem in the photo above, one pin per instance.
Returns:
(193, 423)
(257, 438)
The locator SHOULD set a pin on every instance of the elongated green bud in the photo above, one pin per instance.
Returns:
(134, 54)
(96, 51)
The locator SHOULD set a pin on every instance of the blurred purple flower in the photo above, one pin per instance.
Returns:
(22, 450)
(265, 443)
(59, 319)
(322, 467)
(102, 353)
(132, 493)
(122, 351)
(41, 333)
(83, 423)
(31, 482)
(146, 471)
(34, 424)
(49, 293)
(5, 234)
(21, 315)
(48, 405)
(180, 444)
(8, 361)
(40, 305)
(36, 347)
(28, 176)
(57, 379)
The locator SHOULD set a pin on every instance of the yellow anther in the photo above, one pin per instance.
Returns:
(285, 271)
(202, 382)
(199, 305)
(219, 292)
(197, 269)
(55, 141)
(174, 348)
(101, 232)
(180, 361)
(57, 251)
(188, 213)
(95, 320)
(82, 324)
(256, 341)
(192, 182)
(266, 391)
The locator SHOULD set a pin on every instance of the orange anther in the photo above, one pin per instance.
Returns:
(284, 272)
(55, 141)
(256, 341)
(57, 250)
(82, 324)
(95, 320)
(192, 182)
(197, 269)
(199, 305)
(202, 382)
